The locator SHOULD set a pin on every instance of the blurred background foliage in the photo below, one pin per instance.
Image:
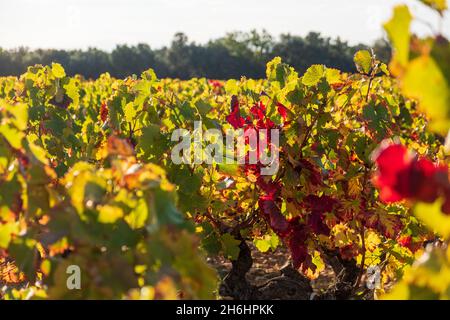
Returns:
(232, 56)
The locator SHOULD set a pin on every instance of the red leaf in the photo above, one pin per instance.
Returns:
(407, 242)
(258, 111)
(349, 252)
(319, 206)
(404, 241)
(272, 214)
(234, 118)
(401, 176)
(296, 243)
(104, 112)
(391, 161)
(388, 224)
(215, 83)
(314, 176)
(323, 203)
(282, 110)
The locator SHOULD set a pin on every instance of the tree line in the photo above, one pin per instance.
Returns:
(234, 55)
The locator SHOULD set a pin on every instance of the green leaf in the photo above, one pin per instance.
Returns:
(203, 107)
(166, 210)
(230, 246)
(363, 61)
(384, 69)
(378, 119)
(25, 254)
(85, 187)
(151, 144)
(262, 245)
(149, 75)
(6, 232)
(72, 91)
(38, 199)
(189, 184)
(280, 73)
(271, 69)
(138, 216)
(313, 75)
(210, 239)
(130, 112)
(231, 169)
(441, 55)
(268, 242)
(56, 124)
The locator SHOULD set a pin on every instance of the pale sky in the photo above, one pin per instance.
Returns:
(65, 24)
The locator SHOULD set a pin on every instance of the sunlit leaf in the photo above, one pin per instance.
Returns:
(432, 216)
(313, 75)
(363, 61)
(398, 31)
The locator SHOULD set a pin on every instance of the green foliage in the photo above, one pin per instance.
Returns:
(86, 170)
(73, 192)
(231, 56)
(419, 63)
(313, 75)
(86, 176)
(363, 61)
(422, 68)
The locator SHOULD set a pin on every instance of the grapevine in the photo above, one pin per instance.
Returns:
(87, 179)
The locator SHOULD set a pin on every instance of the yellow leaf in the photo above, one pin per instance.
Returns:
(428, 279)
(424, 81)
(13, 136)
(432, 216)
(109, 214)
(354, 187)
(400, 292)
(6, 231)
(58, 70)
(372, 240)
(398, 31)
(438, 5)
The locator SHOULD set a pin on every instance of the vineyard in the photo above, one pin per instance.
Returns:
(358, 187)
